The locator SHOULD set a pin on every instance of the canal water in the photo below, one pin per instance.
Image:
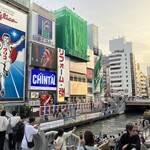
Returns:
(110, 126)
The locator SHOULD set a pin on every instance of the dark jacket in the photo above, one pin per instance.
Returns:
(133, 142)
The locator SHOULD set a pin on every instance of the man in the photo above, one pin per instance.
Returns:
(5, 61)
(29, 131)
(130, 139)
(19, 132)
(12, 121)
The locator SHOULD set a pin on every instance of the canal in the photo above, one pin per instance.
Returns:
(110, 126)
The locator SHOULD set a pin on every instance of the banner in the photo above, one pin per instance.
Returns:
(13, 25)
(61, 75)
(43, 80)
(90, 74)
(43, 56)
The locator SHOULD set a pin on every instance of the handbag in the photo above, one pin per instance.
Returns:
(29, 144)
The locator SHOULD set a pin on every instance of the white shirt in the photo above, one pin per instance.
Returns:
(3, 123)
(60, 142)
(14, 120)
(29, 132)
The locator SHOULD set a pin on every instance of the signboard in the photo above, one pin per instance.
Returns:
(90, 74)
(43, 80)
(61, 75)
(43, 56)
(42, 28)
(79, 67)
(13, 25)
(78, 88)
(95, 40)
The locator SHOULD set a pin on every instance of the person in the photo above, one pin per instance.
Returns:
(29, 131)
(89, 142)
(6, 48)
(3, 127)
(130, 139)
(12, 121)
(111, 143)
(60, 142)
(19, 132)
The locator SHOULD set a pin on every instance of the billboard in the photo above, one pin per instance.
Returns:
(78, 88)
(90, 74)
(13, 25)
(42, 28)
(79, 67)
(43, 80)
(43, 56)
(95, 40)
(61, 75)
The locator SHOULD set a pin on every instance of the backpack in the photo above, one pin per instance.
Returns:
(18, 131)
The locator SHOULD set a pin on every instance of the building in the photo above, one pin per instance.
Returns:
(98, 61)
(122, 70)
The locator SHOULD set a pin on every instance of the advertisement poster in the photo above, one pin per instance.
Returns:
(61, 75)
(45, 98)
(12, 53)
(43, 56)
(43, 80)
(42, 28)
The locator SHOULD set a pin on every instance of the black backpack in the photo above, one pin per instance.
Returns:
(18, 131)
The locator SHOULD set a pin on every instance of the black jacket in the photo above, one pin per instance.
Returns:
(133, 142)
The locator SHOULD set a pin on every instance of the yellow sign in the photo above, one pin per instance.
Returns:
(78, 88)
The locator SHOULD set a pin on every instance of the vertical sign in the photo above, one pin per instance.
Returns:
(61, 75)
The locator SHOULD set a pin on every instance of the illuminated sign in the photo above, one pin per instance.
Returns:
(43, 56)
(90, 74)
(43, 80)
(61, 75)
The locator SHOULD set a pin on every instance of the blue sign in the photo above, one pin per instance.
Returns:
(43, 80)
(44, 27)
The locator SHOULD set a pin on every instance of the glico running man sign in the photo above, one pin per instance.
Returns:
(13, 25)
(43, 80)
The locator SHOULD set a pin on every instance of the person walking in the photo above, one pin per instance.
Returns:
(89, 142)
(3, 127)
(29, 131)
(111, 143)
(19, 132)
(60, 142)
(12, 122)
(130, 139)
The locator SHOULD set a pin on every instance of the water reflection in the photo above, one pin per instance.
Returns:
(110, 126)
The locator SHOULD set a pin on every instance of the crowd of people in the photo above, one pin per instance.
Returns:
(18, 132)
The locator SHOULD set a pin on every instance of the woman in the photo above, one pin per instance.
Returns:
(60, 142)
(89, 142)
(3, 127)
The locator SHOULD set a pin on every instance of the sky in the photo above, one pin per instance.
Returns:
(114, 18)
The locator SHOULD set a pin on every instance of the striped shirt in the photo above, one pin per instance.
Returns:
(14, 120)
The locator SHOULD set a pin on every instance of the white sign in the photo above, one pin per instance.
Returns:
(52, 124)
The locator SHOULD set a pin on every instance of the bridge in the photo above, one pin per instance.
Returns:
(137, 102)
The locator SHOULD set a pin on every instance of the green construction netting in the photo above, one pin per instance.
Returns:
(71, 33)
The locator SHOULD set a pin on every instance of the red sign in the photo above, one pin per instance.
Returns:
(6, 17)
(90, 74)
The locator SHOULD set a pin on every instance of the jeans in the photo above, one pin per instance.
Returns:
(2, 139)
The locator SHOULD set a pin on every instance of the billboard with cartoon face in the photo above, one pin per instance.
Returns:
(12, 53)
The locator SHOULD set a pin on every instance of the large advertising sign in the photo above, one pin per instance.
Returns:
(78, 88)
(43, 80)
(43, 56)
(42, 28)
(13, 25)
(61, 75)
